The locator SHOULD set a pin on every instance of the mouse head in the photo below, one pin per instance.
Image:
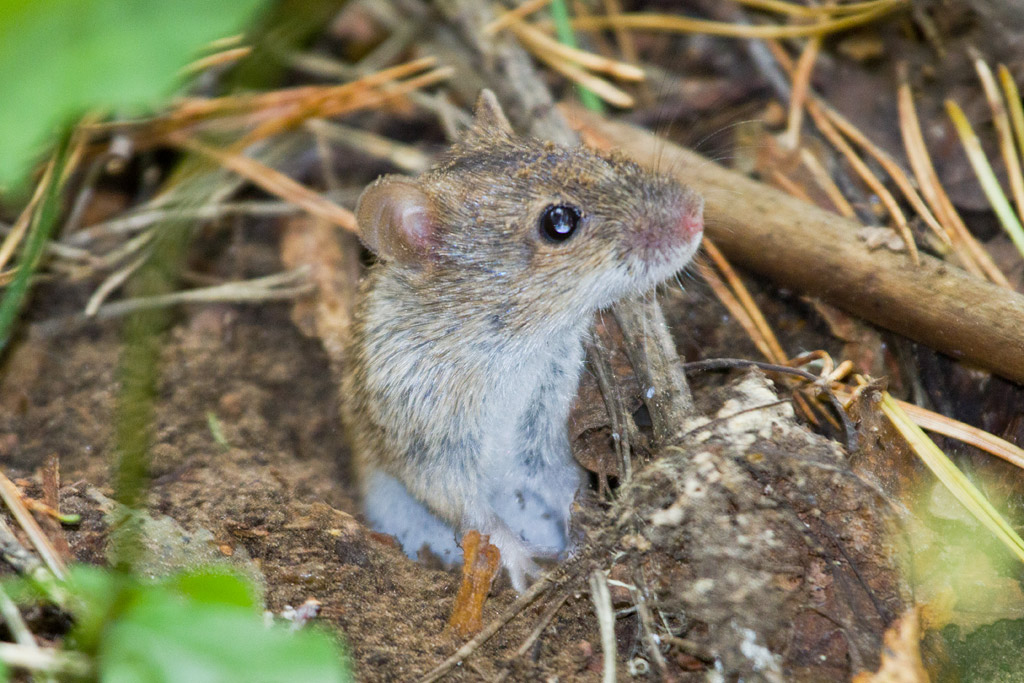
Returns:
(530, 230)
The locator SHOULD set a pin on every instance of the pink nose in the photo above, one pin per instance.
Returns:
(693, 223)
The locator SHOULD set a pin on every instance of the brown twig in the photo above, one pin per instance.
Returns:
(541, 586)
(51, 496)
(656, 363)
(542, 624)
(12, 498)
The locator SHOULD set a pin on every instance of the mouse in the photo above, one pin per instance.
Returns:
(467, 338)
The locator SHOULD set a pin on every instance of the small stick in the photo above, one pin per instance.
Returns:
(647, 623)
(145, 217)
(14, 621)
(653, 356)
(602, 598)
(12, 498)
(25, 563)
(51, 497)
(613, 404)
(542, 624)
(46, 661)
(532, 593)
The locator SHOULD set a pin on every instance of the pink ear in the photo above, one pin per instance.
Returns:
(396, 220)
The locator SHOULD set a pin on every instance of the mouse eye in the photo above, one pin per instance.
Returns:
(559, 221)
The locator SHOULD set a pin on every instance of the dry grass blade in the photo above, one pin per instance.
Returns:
(279, 109)
(870, 179)
(801, 86)
(677, 24)
(784, 183)
(217, 59)
(986, 176)
(732, 304)
(954, 429)
(542, 623)
(14, 622)
(818, 112)
(600, 87)
(113, 281)
(1015, 105)
(20, 227)
(12, 499)
(279, 286)
(826, 183)
(971, 254)
(539, 587)
(1004, 132)
(979, 438)
(884, 160)
(811, 12)
(742, 307)
(764, 334)
(627, 46)
(274, 182)
(405, 157)
(589, 60)
(524, 10)
(891, 167)
(951, 477)
(146, 216)
(49, 660)
(328, 105)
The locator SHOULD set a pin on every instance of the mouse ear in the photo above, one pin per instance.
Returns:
(396, 220)
(488, 118)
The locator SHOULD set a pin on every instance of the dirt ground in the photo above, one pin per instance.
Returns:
(279, 501)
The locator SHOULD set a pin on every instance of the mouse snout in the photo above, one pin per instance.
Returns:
(692, 223)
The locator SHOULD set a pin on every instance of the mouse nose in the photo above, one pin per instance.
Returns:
(692, 224)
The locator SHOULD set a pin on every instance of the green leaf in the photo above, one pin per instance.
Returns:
(59, 58)
(165, 639)
(216, 586)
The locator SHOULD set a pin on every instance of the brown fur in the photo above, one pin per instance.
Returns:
(467, 340)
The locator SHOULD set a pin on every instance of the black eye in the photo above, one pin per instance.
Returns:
(559, 221)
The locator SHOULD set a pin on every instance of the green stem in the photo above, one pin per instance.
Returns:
(563, 29)
(43, 222)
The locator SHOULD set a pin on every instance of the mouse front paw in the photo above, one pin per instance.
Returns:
(522, 570)
(516, 556)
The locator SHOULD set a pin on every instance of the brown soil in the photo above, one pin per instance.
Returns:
(281, 495)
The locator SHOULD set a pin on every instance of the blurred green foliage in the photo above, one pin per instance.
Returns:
(59, 58)
(191, 627)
